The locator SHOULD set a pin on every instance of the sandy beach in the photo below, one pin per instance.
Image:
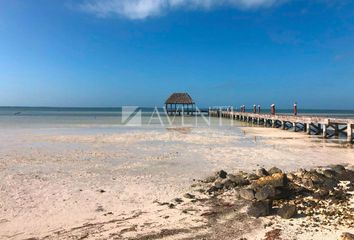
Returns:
(105, 182)
(176, 120)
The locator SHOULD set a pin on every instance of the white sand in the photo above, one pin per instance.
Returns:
(51, 179)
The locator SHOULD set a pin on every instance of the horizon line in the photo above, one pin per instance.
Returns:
(112, 107)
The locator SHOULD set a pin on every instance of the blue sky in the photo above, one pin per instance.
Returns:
(136, 52)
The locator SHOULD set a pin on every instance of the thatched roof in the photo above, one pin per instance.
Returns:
(179, 98)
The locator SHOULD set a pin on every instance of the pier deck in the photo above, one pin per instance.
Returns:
(313, 125)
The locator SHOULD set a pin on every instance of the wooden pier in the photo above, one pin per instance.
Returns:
(312, 125)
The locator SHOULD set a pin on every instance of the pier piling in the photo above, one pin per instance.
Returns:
(350, 132)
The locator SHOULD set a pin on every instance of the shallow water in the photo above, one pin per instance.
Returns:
(53, 168)
(40, 117)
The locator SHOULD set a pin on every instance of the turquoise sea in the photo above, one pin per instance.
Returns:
(50, 116)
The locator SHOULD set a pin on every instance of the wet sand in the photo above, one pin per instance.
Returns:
(103, 182)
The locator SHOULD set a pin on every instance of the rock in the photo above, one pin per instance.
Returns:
(260, 208)
(283, 193)
(321, 194)
(346, 236)
(308, 183)
(215, 188)
(210, 179)
(228, 184)
(212, 189)
(262, 172)
(221, 174)
(252, 177)
(316, 177)
(178, 200)
(276, 180)
(189, 196)
(219, 185)
(347, 175)
(287, 211)
(247, 194)
(238, 180)
(339, 195)
(329, 173)
(329, 183)
(291, 176)
(274, 170)
(338, 169)
(265, 192)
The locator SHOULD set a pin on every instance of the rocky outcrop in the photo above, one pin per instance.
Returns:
(275, 192)
(346, 236)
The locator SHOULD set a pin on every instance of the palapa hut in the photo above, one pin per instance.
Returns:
(179, 103)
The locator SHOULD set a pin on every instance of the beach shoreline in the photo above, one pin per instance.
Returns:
(101, 182)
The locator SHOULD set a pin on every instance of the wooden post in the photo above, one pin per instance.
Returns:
(349, 132)
(336, 130)
(324, 130)
(308, 128)
(294, 126)
(318, 129)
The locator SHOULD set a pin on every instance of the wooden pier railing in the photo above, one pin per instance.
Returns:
(313, 125)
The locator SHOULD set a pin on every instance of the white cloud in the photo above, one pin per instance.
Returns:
(140, 9)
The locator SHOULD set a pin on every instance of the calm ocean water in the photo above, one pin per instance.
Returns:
(42, 116)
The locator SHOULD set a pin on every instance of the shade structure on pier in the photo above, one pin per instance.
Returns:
(179, 103)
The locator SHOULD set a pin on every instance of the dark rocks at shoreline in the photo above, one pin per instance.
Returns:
(338, 169)
(274, 170)
(222, 174)
(229, 202)
(238, 180)
(275, 180)
(262, 172)
(189, 196)
(287, 211)
(285, 193)
(265, 192)
(247, 194)
(317, 198)
(347, 236)
(260, 208)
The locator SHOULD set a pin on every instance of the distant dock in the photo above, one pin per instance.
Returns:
(312, 125)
